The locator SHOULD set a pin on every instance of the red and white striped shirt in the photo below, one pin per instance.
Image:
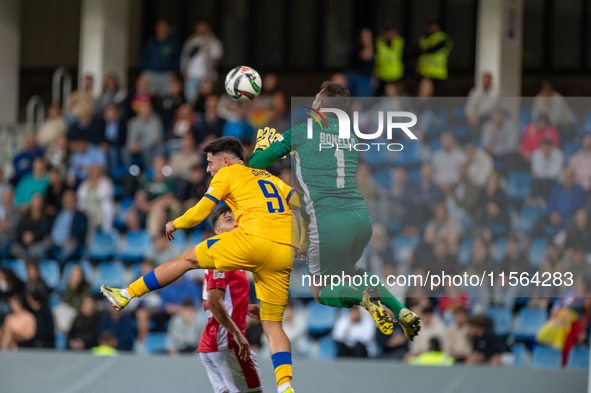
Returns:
(236, 290)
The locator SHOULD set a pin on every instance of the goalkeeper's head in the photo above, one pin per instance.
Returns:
(222, 152)
(332, 95)
(223, 220)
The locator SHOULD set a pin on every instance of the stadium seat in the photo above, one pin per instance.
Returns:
(404, 246)
(502, 319)
(61, 341)
(500, 249)
(524, 119)
(519, 185)
(546, 357)
(124, 205)
(383, 178)
(537, 251)
(465, 251)
(459, 113)
(327, 349)
(500, 229)
(520, 354)
(443, 117)
(321, 318)
(54, 299)
(135, 245)
(86, 269)
(375, 158)
(528, 215)
(569, 149)
(155, 343)
(102, 246)
(50, 273)
(195, 237)
(180, 240)
(110, 273)
(460, 132)
(434, 145)
(529, 322)
(18, 266)
(410, 156)
(578, 358)
(395, 226)
(414, 174)
(586, 123)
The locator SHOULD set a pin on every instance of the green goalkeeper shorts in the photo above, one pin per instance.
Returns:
(337, 241)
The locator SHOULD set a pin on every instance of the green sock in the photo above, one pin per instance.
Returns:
(342, 296)
(387, 298)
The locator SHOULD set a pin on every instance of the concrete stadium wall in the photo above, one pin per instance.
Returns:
(49, 371)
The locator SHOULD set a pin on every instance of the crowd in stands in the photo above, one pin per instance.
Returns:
(87, 197)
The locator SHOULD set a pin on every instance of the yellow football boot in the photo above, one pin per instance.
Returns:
(371, 302)
(410, 322)
(114, 297)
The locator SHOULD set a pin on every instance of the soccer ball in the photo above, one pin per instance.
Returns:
(243, 84)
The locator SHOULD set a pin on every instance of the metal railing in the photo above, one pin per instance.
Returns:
(61, 74)
(35, 106)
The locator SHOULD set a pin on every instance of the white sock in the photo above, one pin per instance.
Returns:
(282, 388)
(125, 294)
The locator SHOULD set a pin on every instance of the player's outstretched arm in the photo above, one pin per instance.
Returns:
(215, 303)
(192, 217)
(270, 148)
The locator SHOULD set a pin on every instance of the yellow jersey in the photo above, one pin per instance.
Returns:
(259, 200)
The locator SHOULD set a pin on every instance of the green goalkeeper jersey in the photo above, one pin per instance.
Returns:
(324, 166)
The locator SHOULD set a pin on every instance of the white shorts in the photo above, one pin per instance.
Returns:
(227, 373)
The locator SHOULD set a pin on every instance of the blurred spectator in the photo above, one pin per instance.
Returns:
(433, 357)
(361, 63)
(238, 125)
(190, 190)
(340, 78)
(115, 132)
(576, 263)
(171, 101)
(161, 250)
(120, 326)
(19, 327)
(55, 190)
(86, 127)
(581, 163)
(10, 285)
(188, 157)
(35, 283)
(32, 231)
(160, 57)
(45, 334)
(366, 184)
(431, 327)
(546, 168)
(96, 199)
(112, 94)
(84, 332)
(426, 109)
(564, 200)
(480, 164)
(269, 107)
(487, 347)
(553, 105)
(393, 346)
(492, 205)
(378, 253)
(35, 182)
(210, 123)
(389, 50)
(295, 327)
(4, 184)
(144, 135)
(447, 160)
(480, 258)
(184, 330)
(580, 233)
(183, 122)
(353, 332)
(23, 161)
(482, 101)
(441, 260)
(516, 260)
(53, 128)
(155, 197)
(149, 307)
(434, 48)
(457, 343)
(534, 135)
(552, 263)
(500, 136)
(441, 226)
(81, 98)
(463, 199)
(423, 204)
(86, 155)
(68, 233)
(57, 155)
(10, 217)
(107, 344)
(143, 94)
(403, 193)
(205, 90)
(200, 59)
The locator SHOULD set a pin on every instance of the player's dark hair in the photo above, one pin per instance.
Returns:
(219, 213)
(334, 95)
(226, 144)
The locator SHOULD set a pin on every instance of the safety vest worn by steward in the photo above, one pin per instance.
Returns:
(434, 65)
(388, 59)
(432, 358)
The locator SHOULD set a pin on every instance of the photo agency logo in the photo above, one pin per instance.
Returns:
(330, 139)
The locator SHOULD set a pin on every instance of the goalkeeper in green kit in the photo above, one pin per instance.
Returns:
(336, 226)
